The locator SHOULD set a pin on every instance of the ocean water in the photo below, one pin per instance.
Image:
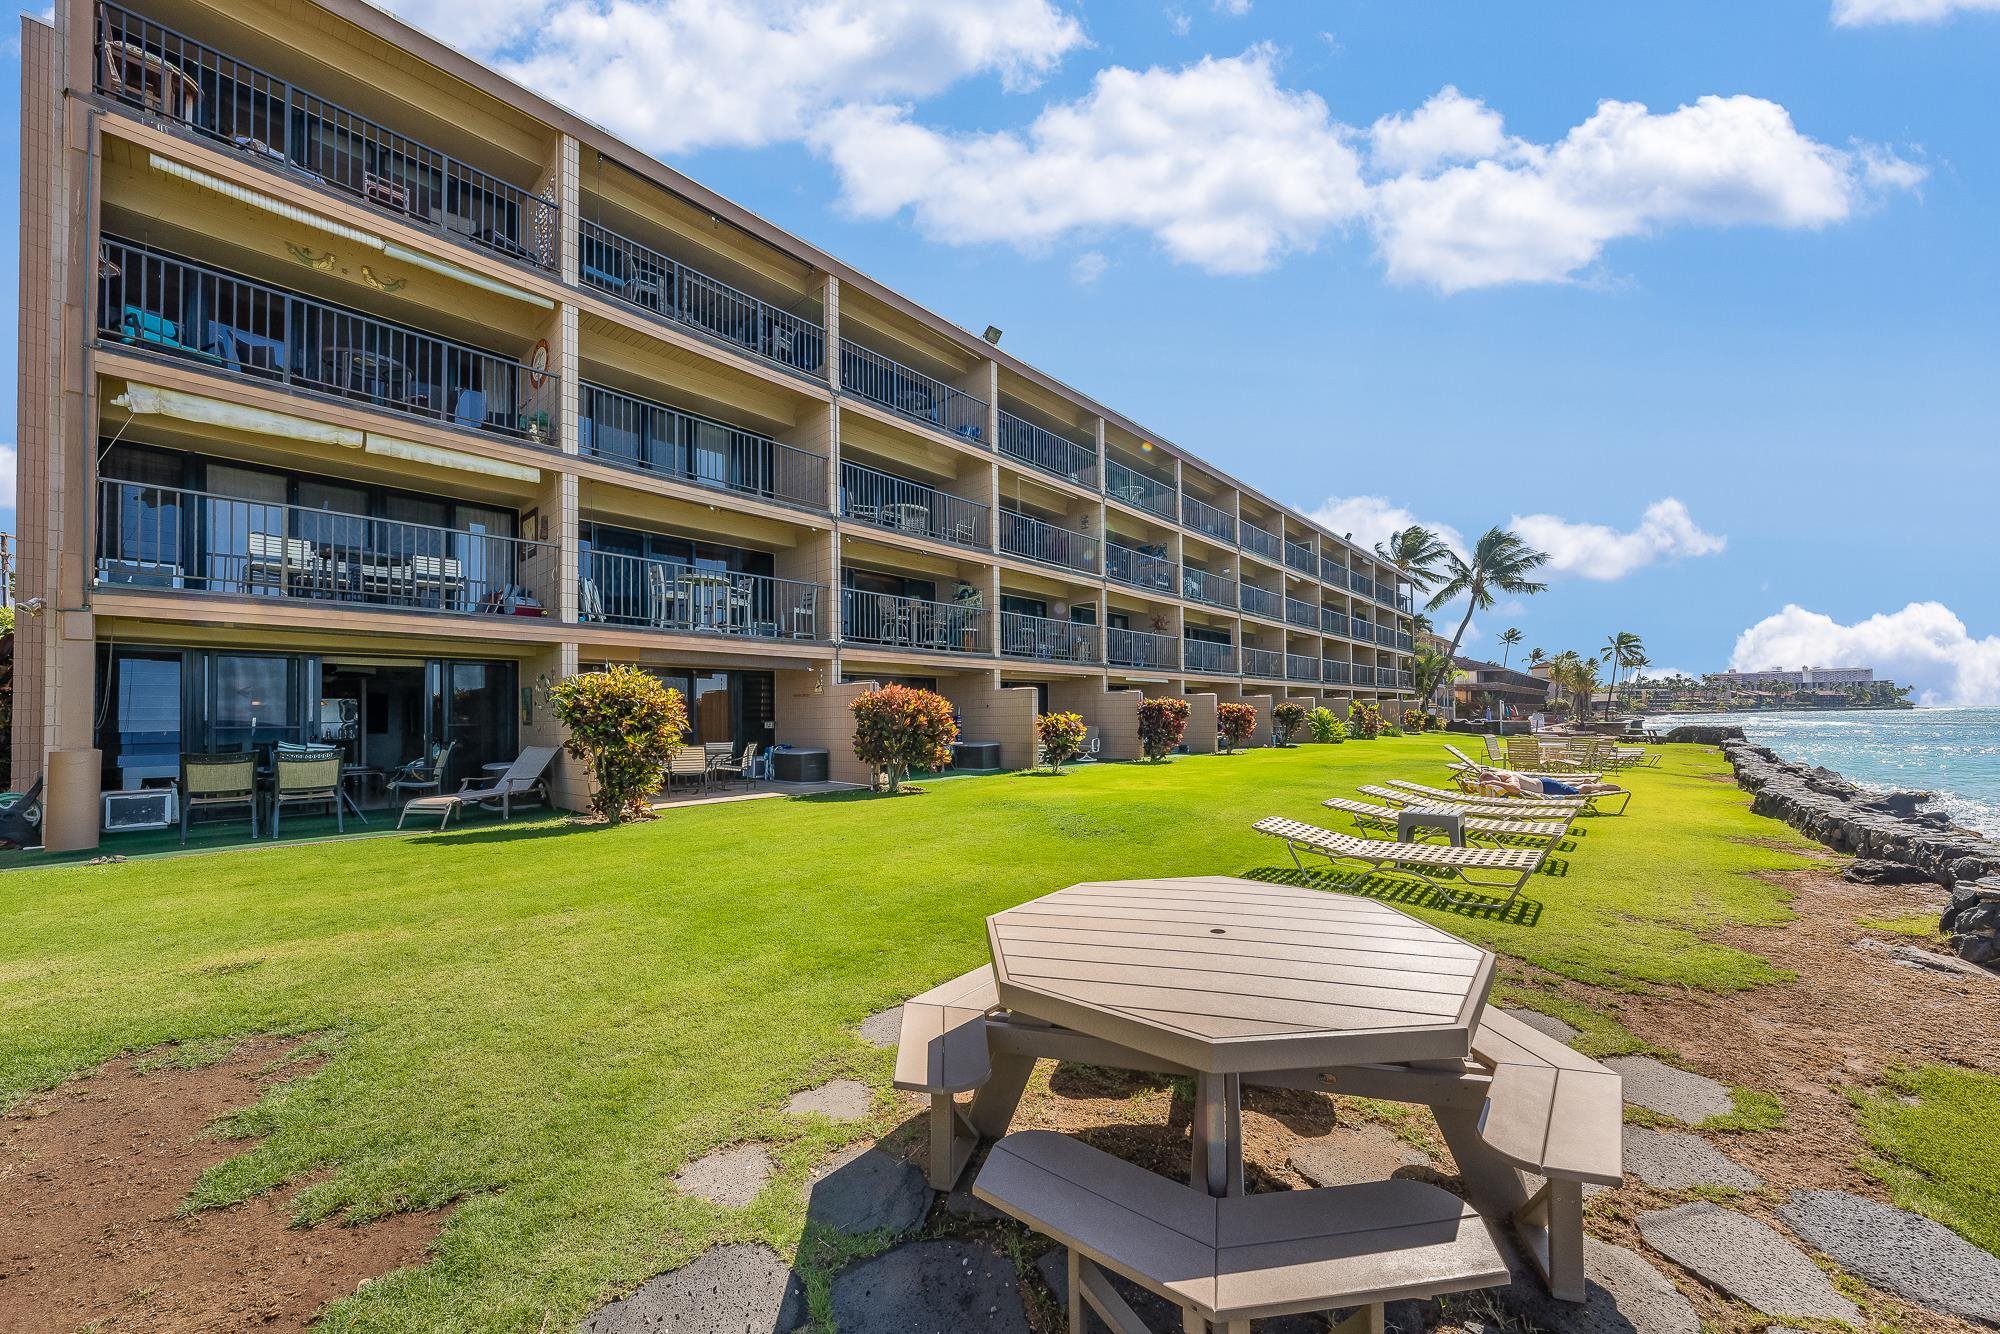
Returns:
(1952, 752)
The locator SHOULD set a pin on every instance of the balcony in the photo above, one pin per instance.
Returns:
(1334, 673)
(1363, 676)
(1264, 662)
(663, 595)
(1361, 583)
(643, 277)
(1216, 590)
(1138, 490)
(1332, 572)
(1301, 667)
(1028, 537)
(1201, 655)
(1056, 455)
(1384, 635)
(1404, 642)
(1206, 518)
(1046, 639)
(1137, 648)
(153, 302)
(1262, 602)
(167, 538)
(912, 394)
(1361, 630)
(285, 129)
(868, 496)
(1301, 557)
(1302, 614)
(1332, 622)
(934, 627)
(1258, 541)
(638, 433)
(1137, 568)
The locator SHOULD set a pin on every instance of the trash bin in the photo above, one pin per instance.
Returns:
(793, 764)
(975, 755)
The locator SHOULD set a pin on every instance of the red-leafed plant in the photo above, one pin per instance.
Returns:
(626, 726)
(1162, 724)
(1235, 723)
(1062, 736)
(1286, 720)
(900, 728)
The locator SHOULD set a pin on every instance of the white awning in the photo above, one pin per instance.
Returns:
(151, 400)
(390, 447)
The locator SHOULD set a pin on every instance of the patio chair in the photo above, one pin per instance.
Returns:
(1517, 863)
(689, 764)
(307, 777)
(1493, 751)
(421, 776)
(213, 781)
(21, 816)
(524, 778)
(743, 769)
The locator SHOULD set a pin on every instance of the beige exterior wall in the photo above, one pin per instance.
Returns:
(1201, 722)
(991, 712)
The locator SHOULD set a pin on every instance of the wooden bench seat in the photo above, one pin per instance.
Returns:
(941, 1051)
(1232, 1260)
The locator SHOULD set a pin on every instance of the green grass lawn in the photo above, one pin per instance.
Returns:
(542, 1022)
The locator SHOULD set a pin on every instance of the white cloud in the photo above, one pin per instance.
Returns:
(1666, 531)
(1450, 127)
(9, 460)
(1235, 9)
(1858, 13)
(1924, 645)
(1089, 267)
(1371, 519)
(1178, 23)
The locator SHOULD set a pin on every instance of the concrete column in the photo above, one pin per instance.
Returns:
(830, 304)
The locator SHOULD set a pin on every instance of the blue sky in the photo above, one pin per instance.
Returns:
(1703, 295)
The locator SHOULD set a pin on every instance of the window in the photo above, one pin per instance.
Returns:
(140, 735)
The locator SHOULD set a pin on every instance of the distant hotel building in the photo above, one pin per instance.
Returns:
(1805, 677)
(360, 384)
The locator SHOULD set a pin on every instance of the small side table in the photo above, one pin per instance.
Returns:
(1450, 822)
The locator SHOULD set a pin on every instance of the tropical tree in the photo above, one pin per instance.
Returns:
(1620, 650)
(1536, 657)
(1418, 554)
(627, 727)
(1421, 624)
(1561, 672)
(1508, 638)
(1429, 669)
(900, 728)
(1500, 562)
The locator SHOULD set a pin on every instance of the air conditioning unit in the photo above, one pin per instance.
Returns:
(147, 808)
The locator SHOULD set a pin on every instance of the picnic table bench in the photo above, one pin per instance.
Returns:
(942, 1052)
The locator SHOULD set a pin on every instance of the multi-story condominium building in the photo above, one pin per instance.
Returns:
(360, 384)
(1804, 677)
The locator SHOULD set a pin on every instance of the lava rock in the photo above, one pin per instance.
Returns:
(741, 1289)
(1912, 1257)
(1968, 868)
(925, 1286)
(1885, 873)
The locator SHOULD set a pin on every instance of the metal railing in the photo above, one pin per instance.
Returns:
(1404, 642)
(1363, 676)
(1384, 635)
(1260, 541)
(639, 433)
(1404, 605)
(1138, 490)
(1263, 662)
(1138, 648)
(1202, 655)
(1261, 601)
(1217, 590)
(195, 541)
(935, 627)
(1360, 583)
(1301, 667)
(641, 276)
(1332, 572)
(1332, 622)
(156, 302)
(667, 595)
(1360, 629)
(1047, 639)
(1026, 536)
(868, 496)
(189, 85)
(1301, 557)
(1137, 568)
(1206, 518)
(1303, 614)
(892, 385)
(1057, 455)
(1333, 672)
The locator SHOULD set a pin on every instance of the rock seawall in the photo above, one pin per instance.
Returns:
(1892, 840)
(1704, 734)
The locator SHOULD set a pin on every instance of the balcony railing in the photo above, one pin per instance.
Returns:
(1045, 638)
(1261, 602)
(1360, 629)
(164, 537)
(1138, 490)
(1301, 557)
(1332, 622)
(1332, 572)
(1026, 536)
(1057, 455)
(666, 595)
(1202, 655)
(1404, 642)
(935, 627)
(901, 506)
(1138, 568)
(1363, 676)
(1217, 590)
(638, 433)
(196, 88)
(1361, 583)
(1301, 667)
(1265, 662)
(1384, 635)
(1404, 605)
(1334, 673)
(155, 302)
(1303, 614)
(892, 385)
(1258, 541)
(1206, 518)
(1137, 648)
(641, 276)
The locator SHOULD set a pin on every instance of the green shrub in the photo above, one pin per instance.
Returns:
(1162, 724)
(1364, 720)
(1062, 736)
(1287, 720)
(626, 726)
(900, 728)
(1234, 723)
(1325, 726)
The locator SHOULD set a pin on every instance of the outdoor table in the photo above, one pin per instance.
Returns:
(908, 518)
(1226, 979)
(1411, 819)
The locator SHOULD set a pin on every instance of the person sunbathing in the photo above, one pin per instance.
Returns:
(1507, 783)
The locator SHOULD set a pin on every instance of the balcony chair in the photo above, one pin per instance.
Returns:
(744, 770)
(689, 764)
(21, 816)
(805, 616)
(469, 409)
(218, 781)
(421, 775)
(307, 776)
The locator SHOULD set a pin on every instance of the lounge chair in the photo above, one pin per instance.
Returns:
(1451, 796)
(21, 816)
(525, 777)
(210, 781)
(1519, 863)
(1462, 762)
(1368, 816)
(307, 776)
(1498, 808)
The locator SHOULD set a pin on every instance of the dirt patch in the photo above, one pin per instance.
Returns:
(92, 1179)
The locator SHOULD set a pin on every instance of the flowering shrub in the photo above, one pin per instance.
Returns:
(1162, 723)
(1364, 720)
(1326, 727)
(1062, 736)
(900, 728)
(626, 726)
(1235, 723)
(1287, 720)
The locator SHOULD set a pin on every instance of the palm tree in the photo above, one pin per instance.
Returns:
(1582, 683)
(1500, 561)
(1420, 624)
(1508, 637)
(1416, 552)
(1429, 669)
(1562, 669)
(1623, 649)
(1536, 657)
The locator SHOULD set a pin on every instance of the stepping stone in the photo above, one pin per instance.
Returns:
(1903, 1252)
(883, 1029)
(729, 1177)
(1155, 1310)
(1671, 1091)
(925, 1286)
(960, 1202)
(841, 1100)
(1623, 1294)
(1672, 1160)
(743, 1289)
(1748, 1259)
(1351, 1153)
(1544, 1023)
(864, 1189)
